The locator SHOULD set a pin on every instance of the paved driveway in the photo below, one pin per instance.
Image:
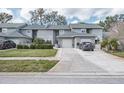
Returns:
(72, 62)
(108, 62)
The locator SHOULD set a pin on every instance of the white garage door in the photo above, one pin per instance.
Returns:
(66, 43)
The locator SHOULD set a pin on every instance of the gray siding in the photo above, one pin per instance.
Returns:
(79, 30)
(2, 39)
(27, 32)
(5, 30)
(45, 34)
(97, 32)
(22, 41)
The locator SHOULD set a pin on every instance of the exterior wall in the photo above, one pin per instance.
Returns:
(61, 32)
(97, 32)
(5, 30)
(26, 32)
(2, 39)
(79, 30)
(45, 34)
(22, 41)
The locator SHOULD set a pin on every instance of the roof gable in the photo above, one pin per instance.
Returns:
(82, 26)
(12, 25)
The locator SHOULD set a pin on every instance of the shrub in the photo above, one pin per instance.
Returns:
(32, 46)
(43, 46)
(19, 46)
(110, 44)
(114, 44)
(25, 47)
(38, 41)
(104, 43)
(41, 41)
(48, 42)
(22, 47)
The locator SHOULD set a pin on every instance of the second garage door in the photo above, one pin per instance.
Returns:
(66, 43)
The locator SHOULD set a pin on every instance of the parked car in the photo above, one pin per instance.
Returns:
(87, 46)
(7, 44)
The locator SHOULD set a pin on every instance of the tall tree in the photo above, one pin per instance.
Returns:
(110, 20)
(39, 16)
(4, 17)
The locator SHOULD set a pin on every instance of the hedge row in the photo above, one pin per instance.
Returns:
(39, 46)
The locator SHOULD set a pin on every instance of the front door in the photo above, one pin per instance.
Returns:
(34, 34)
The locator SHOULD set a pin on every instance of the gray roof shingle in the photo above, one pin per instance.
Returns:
(2, 34)
(81, 26)
(74, 34)
(12, 25)
(14, 34)
(35, 26)
(53, 27)
(61, 27)
(17, 34)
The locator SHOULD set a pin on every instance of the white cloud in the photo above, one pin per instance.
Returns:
(95, 22)
(83, 14)
(116, 11)
(6, 11)
(75, 21)
(25, 13)
(17, 20)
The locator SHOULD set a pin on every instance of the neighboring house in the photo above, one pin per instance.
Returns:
(66, 36)
(116, 31)
(11, 31)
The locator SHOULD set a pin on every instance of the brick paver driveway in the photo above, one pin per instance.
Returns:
(71, 61)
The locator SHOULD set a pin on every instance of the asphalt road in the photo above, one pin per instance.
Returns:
(40, 79)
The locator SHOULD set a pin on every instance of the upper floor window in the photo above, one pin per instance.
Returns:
(83, 30)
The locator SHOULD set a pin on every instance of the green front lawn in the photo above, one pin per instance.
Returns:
(26, 65)
(118, 53)
(28, 53)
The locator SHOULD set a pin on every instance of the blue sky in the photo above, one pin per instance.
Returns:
(73, 15)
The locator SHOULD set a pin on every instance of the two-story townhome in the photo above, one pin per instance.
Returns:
(11, 31)
(66, 36)
(80, 33)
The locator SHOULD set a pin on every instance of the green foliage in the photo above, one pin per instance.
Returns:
(43, 46)
(26, 65)
(114, 44)
(104, 43)
(25, 47)
(32, 46)
(110, 44)
(43, 17)
(38, 41)
(41, 41)
(22, 47)
(38, 46)
(19, 47)
(5, 17)
(111, 19)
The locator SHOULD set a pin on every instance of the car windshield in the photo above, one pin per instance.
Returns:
(85, 43)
